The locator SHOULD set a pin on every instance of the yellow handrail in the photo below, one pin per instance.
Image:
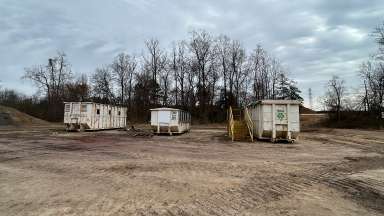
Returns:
(231, 124)
(249, 122)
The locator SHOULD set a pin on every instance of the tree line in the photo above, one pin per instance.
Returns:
(203, 74)
(370, 99)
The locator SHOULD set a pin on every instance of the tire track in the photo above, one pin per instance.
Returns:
(258, 191)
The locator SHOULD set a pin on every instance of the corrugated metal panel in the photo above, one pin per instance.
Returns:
(93, 116)
(276, 120)
(167, 120)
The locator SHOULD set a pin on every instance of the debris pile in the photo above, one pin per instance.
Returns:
(135, 132)
(12, 117)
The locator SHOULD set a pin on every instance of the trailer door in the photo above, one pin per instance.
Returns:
(164, 117)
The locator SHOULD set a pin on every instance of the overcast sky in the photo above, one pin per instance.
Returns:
(313, 38)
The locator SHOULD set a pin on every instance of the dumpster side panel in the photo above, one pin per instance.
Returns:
(276, 119)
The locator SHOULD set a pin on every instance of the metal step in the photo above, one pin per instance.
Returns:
(240, 131)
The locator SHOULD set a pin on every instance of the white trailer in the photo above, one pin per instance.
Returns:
(93, 116)
(169, 120)
(275, 119)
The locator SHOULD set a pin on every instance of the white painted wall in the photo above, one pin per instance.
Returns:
(170, 118)
(275, 117)
(164, 117)
(94, 116)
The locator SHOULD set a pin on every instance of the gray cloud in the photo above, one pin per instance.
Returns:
(314, 39)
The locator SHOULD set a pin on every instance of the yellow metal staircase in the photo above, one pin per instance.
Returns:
(239, 125)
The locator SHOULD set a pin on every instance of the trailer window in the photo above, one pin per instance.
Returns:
(173, 115)
(98, 111)
(109, 112)
(83, 108)
(67, 108)
(119, 113)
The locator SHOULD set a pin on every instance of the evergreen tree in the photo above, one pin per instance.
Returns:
(283, 90)
(294, 92)
(287, 89)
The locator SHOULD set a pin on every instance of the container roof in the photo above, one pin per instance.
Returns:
(276, 102)
(89, 102)
(165, 109)
(85, 102)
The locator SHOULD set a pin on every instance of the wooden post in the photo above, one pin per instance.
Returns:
(273, 123)
(288, 123)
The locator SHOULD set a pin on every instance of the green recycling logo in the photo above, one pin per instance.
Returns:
(280, 115)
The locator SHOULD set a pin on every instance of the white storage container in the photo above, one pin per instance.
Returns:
(93, 116)
(275, 119)
(169, 120)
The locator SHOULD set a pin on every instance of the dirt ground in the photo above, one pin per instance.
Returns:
(326, 172)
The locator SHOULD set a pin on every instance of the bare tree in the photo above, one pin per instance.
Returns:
(372, 73)
(123, 68)
(275, 72)
(212, 81)
(131, 72)
(78, 90)
(266, 71)
(102, 83)
(174, 67)
(379, 36)
(51, 79)
(154, 64)
(41, 78)
(156, 61)
(257, 62)
(237, 77)
(335, 95)
(200, 74)
(190, 96)
(223, 52)
(245, 92)
(201, 46)
(165, 84)
(183, 68)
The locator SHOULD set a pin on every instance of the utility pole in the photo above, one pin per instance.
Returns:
(310, 98)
